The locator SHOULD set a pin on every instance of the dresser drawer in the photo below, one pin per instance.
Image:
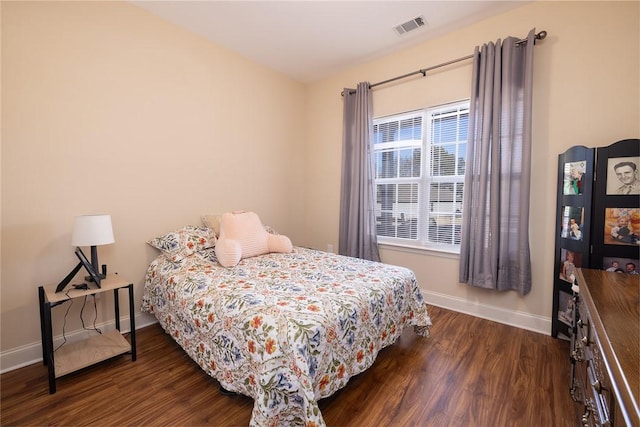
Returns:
(604, 350)
(597, 399)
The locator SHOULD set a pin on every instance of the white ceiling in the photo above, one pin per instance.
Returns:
(311, 40)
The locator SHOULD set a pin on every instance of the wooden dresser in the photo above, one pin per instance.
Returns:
(605, 348)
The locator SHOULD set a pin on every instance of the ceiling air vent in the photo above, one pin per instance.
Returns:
(409, 25)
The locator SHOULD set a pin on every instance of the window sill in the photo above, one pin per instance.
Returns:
(451, 252)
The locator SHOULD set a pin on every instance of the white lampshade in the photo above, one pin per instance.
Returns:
(92, 230)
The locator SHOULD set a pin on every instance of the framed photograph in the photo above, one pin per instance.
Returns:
(621, 265)
(573, 173)
(572, 223)
(569, 262)
(87, 266)
(622, 176)
(622, 226)
(566, 309)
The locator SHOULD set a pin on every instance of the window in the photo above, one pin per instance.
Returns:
(419, 176)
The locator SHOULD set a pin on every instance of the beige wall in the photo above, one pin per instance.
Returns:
(586, 92)
(107, 109)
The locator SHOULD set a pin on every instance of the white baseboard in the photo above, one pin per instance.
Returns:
(32, 353)
(517, 319)
(29, 354)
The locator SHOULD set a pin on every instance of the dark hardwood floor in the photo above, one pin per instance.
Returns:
(470, 372)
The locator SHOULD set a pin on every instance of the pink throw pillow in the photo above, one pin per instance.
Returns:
(242, 235)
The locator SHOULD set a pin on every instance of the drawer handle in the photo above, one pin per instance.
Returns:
(598, 406)
(585, 340)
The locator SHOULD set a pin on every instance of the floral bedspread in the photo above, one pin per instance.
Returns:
(284, 329)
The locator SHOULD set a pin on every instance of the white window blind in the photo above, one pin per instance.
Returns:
(419, 161)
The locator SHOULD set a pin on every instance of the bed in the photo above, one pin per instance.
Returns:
(286, 329)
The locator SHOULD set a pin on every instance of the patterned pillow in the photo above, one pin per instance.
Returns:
(212, 221)
(184, 241)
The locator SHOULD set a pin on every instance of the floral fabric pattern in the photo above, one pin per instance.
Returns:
(286, 329)
(184, 241)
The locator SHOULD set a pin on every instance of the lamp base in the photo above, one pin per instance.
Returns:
(90, 279)
(94, 264)
(100, 275)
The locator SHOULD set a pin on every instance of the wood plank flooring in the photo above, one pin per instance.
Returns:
(470, 372)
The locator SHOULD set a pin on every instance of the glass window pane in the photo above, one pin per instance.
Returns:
(408, 229)
(464, 126)
(385, 132)
(378, 163)
(439, 193)
(408, 198)
(443, 160)
(411, 129)
(410, 162)
(459, 194)
(385, 196)
(387, 164)
(462, 158)
(445, 213)
(397, 210)
(445, 129)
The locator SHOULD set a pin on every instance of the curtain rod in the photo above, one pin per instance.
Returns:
(540, 36)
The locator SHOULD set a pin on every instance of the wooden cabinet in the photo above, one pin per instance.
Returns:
(605, 349)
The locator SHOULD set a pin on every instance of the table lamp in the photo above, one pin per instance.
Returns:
(93, 230)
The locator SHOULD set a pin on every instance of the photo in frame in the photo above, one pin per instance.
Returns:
(572, 223)
(569, 262)
(622, 226)
(623, 176)
(621, 265)
(573, 173)
(566, 308)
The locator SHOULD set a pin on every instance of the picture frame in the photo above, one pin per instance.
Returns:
(87, 265)
(623, 176)
(569, 262)
(566, 309)
(573, 173)
(572, 223)
(621, 265)
(621, 226)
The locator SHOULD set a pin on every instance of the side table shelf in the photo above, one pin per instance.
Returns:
(81, 354)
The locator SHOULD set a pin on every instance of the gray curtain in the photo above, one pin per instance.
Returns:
(357, 236)
(494, 251)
